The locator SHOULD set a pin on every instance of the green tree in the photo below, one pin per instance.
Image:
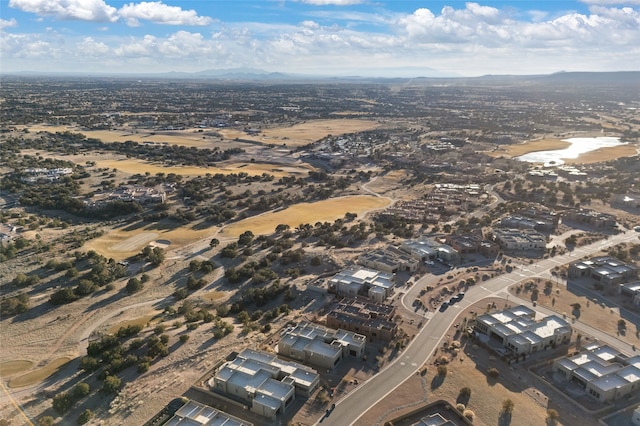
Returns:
(62, 403)
(85, 417)
(214, 243)
(46, 421)
(80, 391)
(111, 385)
(134, 285)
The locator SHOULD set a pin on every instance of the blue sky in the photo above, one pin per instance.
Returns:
(320, 37)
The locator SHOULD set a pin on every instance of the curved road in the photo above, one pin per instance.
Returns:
(353, 406)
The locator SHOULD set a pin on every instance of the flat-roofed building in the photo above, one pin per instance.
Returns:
(592, 217)
(519, 239)
(355, 281)
(195, 414)
(265, 383)
(518, 331)
(370, 319)
(603, 372)
(390, 261)
(320, 346)
(632, 291)
(425, 249)
(606, 270)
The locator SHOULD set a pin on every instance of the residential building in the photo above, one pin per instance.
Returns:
(265, 383)
(373, 320)
(604, 372)
(519, 239)
(355, 281)
(320, 346)
(195, 414)
(517, 329)
(606, 270)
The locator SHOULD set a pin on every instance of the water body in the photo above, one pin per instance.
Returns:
(578, 146)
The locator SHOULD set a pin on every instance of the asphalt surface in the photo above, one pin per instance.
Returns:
(354, 405)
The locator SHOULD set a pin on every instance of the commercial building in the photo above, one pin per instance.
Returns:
(519, 239)
(194, 414)
(604, 372)
(632, 291)
(606, 270)
(366, 282)
(373, 320)
(591, 217)
(517, 329)
(320, 346)
(265, 383)
(425, 249)
(390, 261)
(630, 200)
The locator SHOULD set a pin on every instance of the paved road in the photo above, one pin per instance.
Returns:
(353, 406)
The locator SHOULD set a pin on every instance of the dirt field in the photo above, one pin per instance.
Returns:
(303, 133)
(326, 210)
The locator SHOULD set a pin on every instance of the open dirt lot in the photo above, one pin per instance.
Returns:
(326, 210)
(303, 133)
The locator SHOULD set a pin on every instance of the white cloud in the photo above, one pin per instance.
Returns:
(88, 46)
(471, 40)
(610, 2)
(7, 23)
(161, 13)
(83, 10)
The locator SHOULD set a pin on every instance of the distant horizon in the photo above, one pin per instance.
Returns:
(341, 38)
(264, 75)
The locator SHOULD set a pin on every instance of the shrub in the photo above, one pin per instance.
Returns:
(85, 417)
(442, 370)
(184, 338)
(493, 372)
(460, 407)
(134, 285)
(507, 406)
(80, 391)
(465, 392)
(469, 415)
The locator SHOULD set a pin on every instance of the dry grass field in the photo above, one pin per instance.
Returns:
(303, 133)
(546, 144)
(321, 211)
(8, 368)
(36, 376)
(141, 320)
(122, 243)
(134, 166)
(604, 154)
(551, 144)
